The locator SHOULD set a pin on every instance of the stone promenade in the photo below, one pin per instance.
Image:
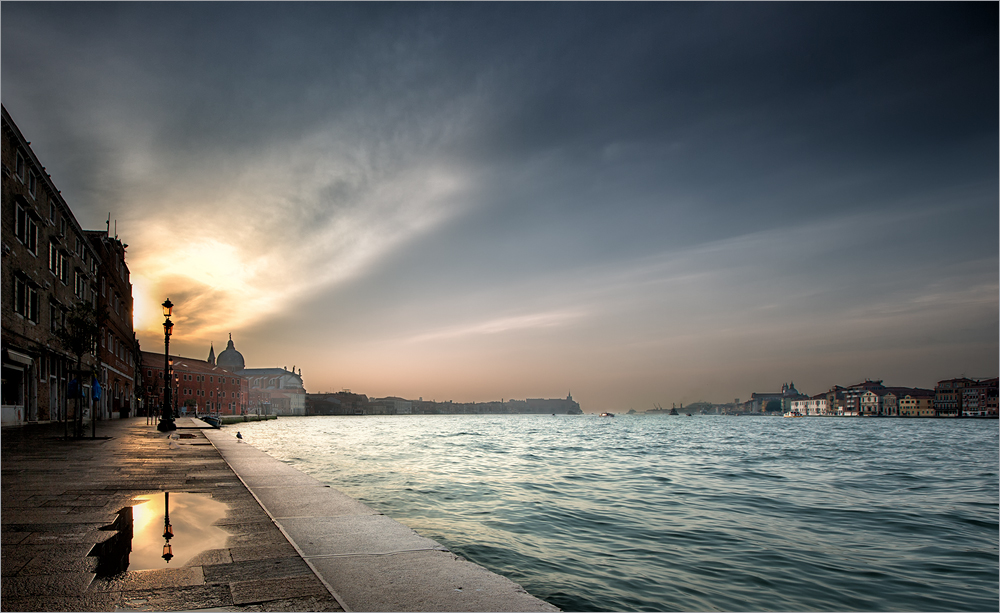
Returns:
(289, 542)
(57, 495)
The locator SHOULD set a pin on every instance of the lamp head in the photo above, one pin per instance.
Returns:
(168, 327)
(168, 307)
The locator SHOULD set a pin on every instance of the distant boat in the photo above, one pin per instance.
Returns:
(688, 414)
(673, 412)
(607, 415)
(793, 414)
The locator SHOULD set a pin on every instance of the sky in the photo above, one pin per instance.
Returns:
(641, 204)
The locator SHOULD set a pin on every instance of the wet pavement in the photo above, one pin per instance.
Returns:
(62, 502)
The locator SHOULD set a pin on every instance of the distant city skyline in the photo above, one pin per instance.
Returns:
(640, 203)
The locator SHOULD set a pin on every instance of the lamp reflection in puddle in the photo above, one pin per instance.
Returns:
(168, 531)
(173, 529)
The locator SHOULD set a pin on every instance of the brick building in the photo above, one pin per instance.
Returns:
(965, 397)
(199, 387)
(118, 347)
(48, 267)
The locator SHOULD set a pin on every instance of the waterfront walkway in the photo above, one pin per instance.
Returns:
(294, 545)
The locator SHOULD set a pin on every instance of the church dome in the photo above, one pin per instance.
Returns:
(230, 359)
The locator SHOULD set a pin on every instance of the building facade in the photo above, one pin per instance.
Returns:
(964, 397)
(198, 387)
(118, 348)
(774, 402)
(48, 267)
(815, 406)
(917, 403)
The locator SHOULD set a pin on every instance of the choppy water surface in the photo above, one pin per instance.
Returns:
(638, 513)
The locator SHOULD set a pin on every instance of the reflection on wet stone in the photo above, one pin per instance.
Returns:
(112, 554)
(165, 531)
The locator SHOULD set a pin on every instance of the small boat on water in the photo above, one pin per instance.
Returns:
(607, 414)
(688, 414)
(211, 420)
(793, 414)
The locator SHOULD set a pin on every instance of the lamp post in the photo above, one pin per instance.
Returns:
(167, 418)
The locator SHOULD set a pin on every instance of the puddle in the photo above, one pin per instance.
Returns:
(141, 543)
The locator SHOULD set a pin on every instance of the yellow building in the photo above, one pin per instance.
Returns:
(919, 403)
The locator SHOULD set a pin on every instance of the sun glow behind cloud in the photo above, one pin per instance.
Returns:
(263, 248)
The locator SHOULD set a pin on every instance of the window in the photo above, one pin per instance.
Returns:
(19, 166)
(78, 283)
(63, 269)
(25, 229)
(54, 258)
(20, 295)
(52, 211)
(53, 317)
(62, 227)
(25, 299)
(32, 183)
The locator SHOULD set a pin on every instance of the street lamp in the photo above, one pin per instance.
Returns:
(167, 418)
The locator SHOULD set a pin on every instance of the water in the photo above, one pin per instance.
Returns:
(661, 513)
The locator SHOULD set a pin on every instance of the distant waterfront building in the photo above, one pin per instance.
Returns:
(338, 403)
(917, 403)
(852, 396)
(272, 391)
(951, 398)
(556, 405)
(346, 403)
(815, 406)
(390, 405)
(770, 402)
(965, 397)
(871, 402)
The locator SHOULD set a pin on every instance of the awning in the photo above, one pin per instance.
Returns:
(19, 358)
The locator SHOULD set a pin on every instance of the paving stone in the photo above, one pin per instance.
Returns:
(87, 602)
(150, 579)
(308, 603)
(210, 557)
(262, 552)
(271, 568)
(263, 590)
(12, 538)
(51, 563)
(57, 584)
(187, 598)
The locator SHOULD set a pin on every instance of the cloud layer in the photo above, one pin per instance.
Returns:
(645, 203)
